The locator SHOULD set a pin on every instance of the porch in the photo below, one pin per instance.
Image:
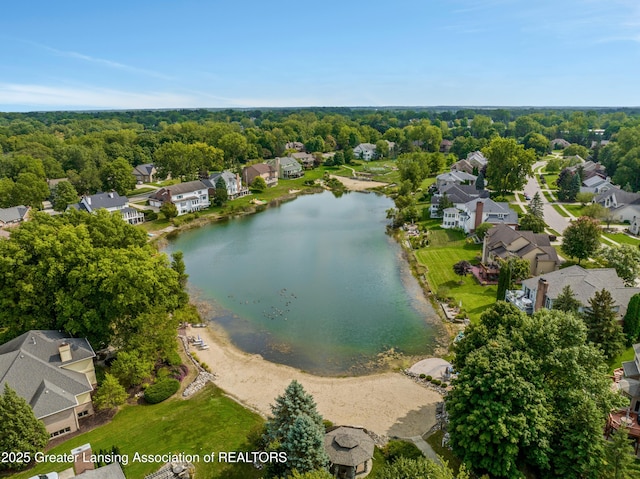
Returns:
(486, 275)
(624, 418)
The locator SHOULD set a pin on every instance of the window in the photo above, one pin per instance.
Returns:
(60, 432)
(83, 413)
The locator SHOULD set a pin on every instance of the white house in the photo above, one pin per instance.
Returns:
(596, 184)
(624, 205)
(111, 202)
(365, 151)
(477, 211)
(477, 159)
(232, 182)
(188, 197)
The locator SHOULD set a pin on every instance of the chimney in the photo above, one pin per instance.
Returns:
(541, 293)
(65, 352)
(479, 211)
(82, 459)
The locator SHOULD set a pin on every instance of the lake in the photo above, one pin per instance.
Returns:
(315, 283)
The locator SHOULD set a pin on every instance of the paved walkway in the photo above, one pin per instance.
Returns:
(425, 447)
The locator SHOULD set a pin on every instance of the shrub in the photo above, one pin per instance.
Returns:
(179, 372)
(429, 378)
(327, 424)
(423, 375)
(150, 215)
(396, 449)
(163, 389)
(173, 359)
(163, 373)
(437, 382)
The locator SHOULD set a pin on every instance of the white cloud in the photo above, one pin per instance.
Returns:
(67, 97)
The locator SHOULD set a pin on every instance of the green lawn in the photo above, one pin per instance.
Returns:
(446, 248)
(551, 180)
(560, 211)
(435, 441)
(575, 210)
(622, 238)
(627, 355)
(209, 421)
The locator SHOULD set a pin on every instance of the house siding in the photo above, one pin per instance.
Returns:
(60, 421)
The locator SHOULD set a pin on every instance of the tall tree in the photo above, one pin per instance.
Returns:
(304, 445)
(20, 431)
(117, 176)
(620, 457)
(603, 328)
(530, 393)
(220, 195)
(443, 203)
(64, 194)
(631, 327)
(535, 206)
(529, 222)
(509, 164)
(625, 258)
(581, 239)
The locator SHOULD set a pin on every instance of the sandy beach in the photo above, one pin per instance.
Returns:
(358, 185)
(389, 404)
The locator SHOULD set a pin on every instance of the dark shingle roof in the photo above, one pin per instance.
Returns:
(31, 365)
(15, 213)
(110, 471)
(348, 446)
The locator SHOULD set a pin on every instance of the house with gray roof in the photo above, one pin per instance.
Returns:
(146, 173)
(559, 144)
(267, 172)
(287, 167)
(365, 151)
(630, 384)
(624, 205)
(13, 215)
(350, 451)
(477, 159)
(479, 210)
(542, 290)
(454, 178)
(112, 202)
(504, 242)
(307, 160)
(188, 197)
(458, 195)
(54, 374)
(596, 185)
(233, 184)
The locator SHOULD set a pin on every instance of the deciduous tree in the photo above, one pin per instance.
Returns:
(64, 194)
(509, 164)
(625, 258)
(581, 238)
(530, 222)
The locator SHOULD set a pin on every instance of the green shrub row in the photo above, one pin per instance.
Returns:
(163, 389)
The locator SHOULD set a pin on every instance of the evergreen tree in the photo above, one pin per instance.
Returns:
(631, 327)
(110, 394)
(480, 183)
(603, 328)
(443, 204)
(220, 195)
(619, 457)
(535, 206)
(294, 402)
(20, 431)
(504, 281)
(304, 445)
(566, 301)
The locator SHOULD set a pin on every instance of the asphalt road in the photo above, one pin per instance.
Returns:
(553, 219)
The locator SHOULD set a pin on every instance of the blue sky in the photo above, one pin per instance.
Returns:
(65, 54)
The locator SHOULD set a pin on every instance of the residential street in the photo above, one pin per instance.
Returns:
(553, 219)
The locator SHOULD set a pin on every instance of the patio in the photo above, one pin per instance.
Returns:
(624, 418)
(486, 275)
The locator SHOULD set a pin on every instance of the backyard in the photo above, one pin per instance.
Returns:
(207, 422)
(446, 248)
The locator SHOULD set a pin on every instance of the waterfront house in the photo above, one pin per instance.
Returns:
(365, 151)
(287, 167)
(233, 184)
(112, 202)
(268, 173)
(54, 374)
(477, 211)
(187, 197)
(307, 160)
(454, 178)
(542, 290)
(458, 195)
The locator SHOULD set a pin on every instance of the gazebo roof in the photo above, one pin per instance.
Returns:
(348, 446)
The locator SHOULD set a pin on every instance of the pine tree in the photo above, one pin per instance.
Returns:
(619, 457)
(602, 327)
(480, 183)
(443, 204)
(535, 206)
(566, 301)
(631, 325)
(20, 431)
(304, 445)
(504, 281)
(292, 403)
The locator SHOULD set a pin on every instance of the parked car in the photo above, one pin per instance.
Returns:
(527, 197)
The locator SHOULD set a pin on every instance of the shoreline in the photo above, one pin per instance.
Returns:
(389, 404)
